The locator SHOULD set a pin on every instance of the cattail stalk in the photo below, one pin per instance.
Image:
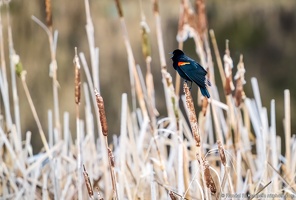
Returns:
(146, 49)
(159, 34)
(13, 62)
(192, 115)
(34, 112)
(104, 125)
(53, 71)
(134, 76)
(218, 57)
(287, 129)
(78, 133)
(130, 55)
(94, 51)
(3, 79)
(88, 183)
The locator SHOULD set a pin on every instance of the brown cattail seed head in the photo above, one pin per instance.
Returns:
(77, 78)
(208, 177)
(192, 115)
(221, 152)
(240, 81)
(100, 104)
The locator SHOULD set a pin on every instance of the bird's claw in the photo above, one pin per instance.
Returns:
(188, 84)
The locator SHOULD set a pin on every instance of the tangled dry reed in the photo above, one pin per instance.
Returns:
(222, 150)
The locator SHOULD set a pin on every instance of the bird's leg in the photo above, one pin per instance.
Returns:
(190, 85)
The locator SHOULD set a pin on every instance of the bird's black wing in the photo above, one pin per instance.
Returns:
(194, 71)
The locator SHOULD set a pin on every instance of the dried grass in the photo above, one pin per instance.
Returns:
(222, 150)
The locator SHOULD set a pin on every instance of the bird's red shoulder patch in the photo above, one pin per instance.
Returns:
(183, 63)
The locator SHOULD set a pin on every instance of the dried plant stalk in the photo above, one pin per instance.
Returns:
(119, 8)
(287, 130)
(100, 104)
(205, 103)
(111, 157)
(172, 196)
(99, 195)
(228, 65)
(25, 175)
(88, 183)
(201, 17)
(113, 176)
(218, 57)
(159, 35)
(34, 112)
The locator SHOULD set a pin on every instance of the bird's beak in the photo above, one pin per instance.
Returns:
(171, 53)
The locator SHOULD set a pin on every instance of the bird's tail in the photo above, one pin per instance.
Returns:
(205, 92)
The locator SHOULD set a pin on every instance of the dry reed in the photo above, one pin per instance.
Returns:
(212, 150)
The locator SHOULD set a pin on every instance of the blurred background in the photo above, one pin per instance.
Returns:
(264, 31)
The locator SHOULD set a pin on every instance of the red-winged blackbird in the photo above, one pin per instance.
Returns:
(191, 71)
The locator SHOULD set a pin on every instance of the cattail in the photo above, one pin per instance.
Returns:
(208, 177)
(221, 152)
(87, 183)
(240, 81)
(77, 78)
(100, 104)
(48, 13)
(192, 115)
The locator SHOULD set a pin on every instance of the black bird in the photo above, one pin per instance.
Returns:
(191, 71)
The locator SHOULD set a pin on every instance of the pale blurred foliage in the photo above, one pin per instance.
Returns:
(264, 31)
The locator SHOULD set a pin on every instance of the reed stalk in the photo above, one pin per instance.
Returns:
(201, 149)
